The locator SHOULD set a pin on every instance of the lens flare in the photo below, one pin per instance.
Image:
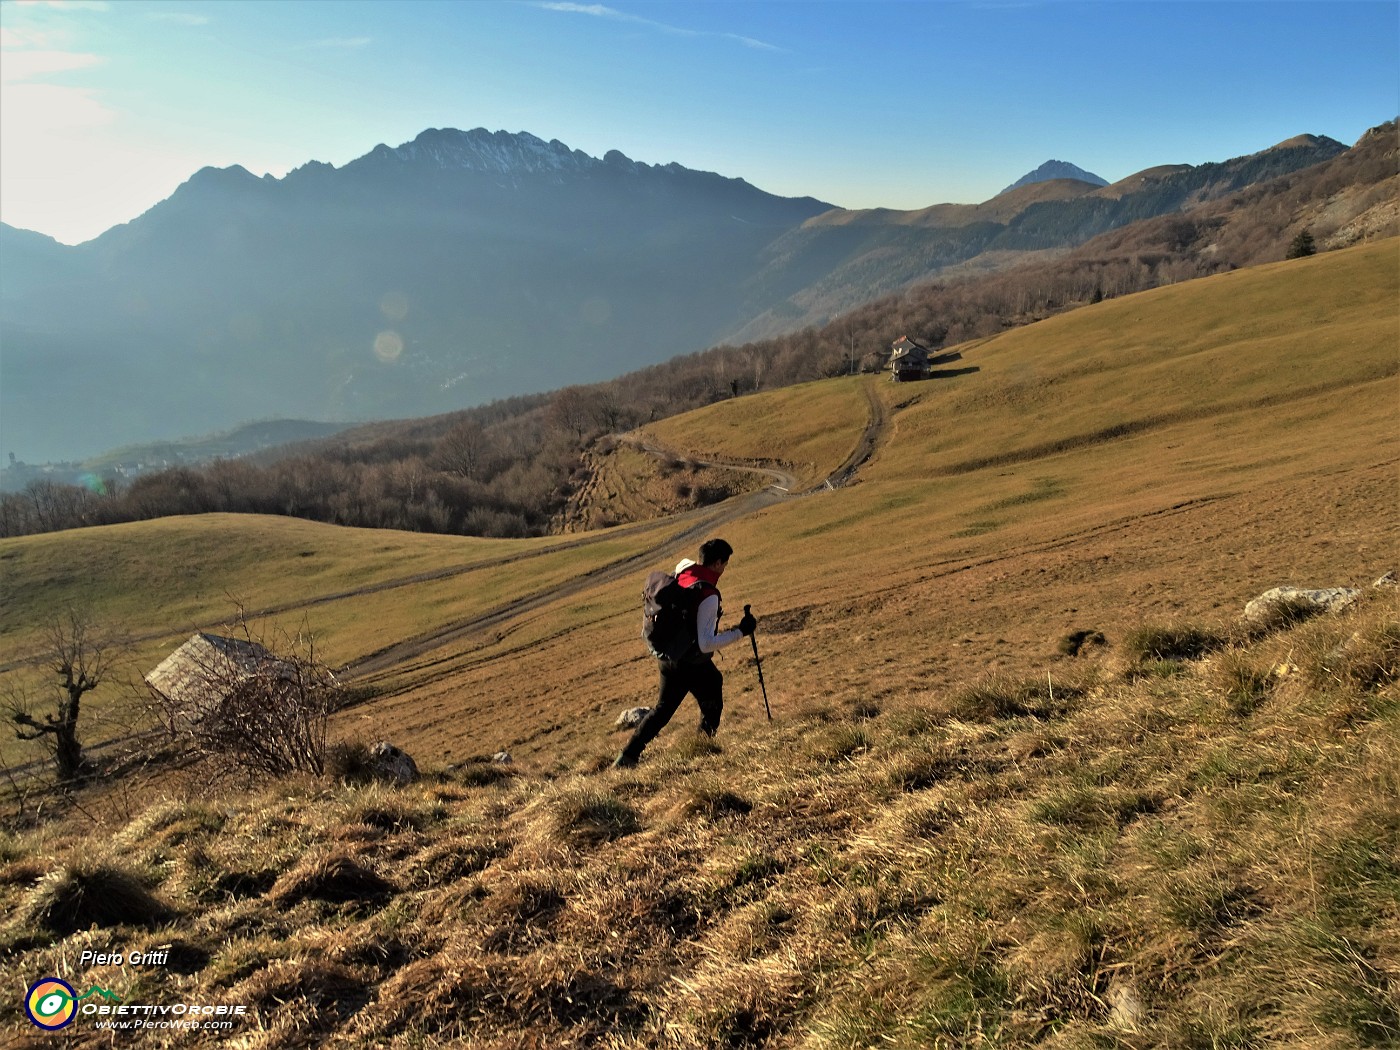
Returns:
(388, 346)
(93, 483)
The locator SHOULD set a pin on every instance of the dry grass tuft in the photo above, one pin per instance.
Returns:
(23, 872)
(389, 811)
(334, 877)
(745, 1005)
(1366, 661)
(919, 769)
(350, 763)
(302, 996)
(457, 995)
(438, 996)
(481, 773)
(1089, 808)
(1279, 614)
(456, 858)
(839, 743)
(1002, 696)
(1242, 681)
(590, 815)
(708, 797)
(690, 750)
(87, 893)
(1161, 642)
(1073, 644)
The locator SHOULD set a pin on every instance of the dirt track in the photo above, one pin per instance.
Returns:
(706, 522)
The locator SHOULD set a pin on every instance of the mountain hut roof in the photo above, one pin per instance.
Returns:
(208, 667)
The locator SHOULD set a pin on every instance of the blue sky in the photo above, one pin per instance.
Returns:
(106, 106)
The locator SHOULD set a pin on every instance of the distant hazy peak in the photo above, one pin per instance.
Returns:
(511, 155)
(488, 151)
(1057, 169)
(234, 174)
(498, 153)
(18, 235)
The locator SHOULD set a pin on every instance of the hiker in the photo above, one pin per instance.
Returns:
(695, 671)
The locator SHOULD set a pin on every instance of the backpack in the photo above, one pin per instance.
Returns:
(668, 615)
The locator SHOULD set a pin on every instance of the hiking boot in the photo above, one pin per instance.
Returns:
(624, 761)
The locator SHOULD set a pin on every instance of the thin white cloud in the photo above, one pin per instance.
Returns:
(614, 15)
(21, 66)
(39, 112)
(179, 18)
(342, 43)
(68, 5)
(29, 105)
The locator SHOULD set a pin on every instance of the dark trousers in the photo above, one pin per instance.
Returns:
(702, 680)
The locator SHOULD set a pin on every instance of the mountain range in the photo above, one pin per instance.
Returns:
(464, 267)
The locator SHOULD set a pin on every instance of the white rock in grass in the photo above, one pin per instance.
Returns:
(1325, 599)
(1125, 1006)
(632, 717)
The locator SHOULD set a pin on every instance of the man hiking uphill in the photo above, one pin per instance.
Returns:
(689, 666)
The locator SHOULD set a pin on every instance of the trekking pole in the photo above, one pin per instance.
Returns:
(759, 664)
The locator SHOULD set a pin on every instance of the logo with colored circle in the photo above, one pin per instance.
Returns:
(51, 1004)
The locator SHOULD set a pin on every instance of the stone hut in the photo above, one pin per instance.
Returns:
(199, 678)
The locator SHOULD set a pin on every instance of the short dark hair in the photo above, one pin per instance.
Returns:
(712, 551)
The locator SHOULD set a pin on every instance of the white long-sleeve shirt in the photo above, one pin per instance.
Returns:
(706, 623)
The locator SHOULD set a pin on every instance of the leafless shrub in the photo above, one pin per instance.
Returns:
(251, 707)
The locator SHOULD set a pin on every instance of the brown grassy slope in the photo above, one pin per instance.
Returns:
(1169, 454)
(153, 583)
(1180, 854)
(1107, 851)
(808, 431)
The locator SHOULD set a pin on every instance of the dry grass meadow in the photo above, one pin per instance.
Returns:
(1029, 780)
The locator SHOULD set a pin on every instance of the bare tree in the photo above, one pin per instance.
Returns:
(572, 410)
(82, 659)
(608, 410)
(463, 449)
